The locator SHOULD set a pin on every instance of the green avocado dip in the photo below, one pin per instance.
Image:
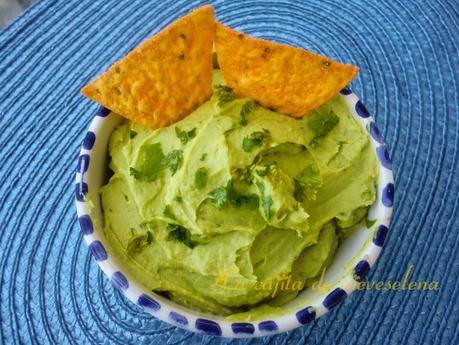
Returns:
(214, 209)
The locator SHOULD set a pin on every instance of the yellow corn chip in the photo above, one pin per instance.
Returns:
(165, 77)
(291, 80)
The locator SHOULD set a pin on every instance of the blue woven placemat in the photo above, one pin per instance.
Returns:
(52, 291)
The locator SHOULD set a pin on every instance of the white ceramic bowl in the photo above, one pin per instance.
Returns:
(354, 258)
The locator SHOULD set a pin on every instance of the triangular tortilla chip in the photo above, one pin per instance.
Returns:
(290, 80)
(165, 77)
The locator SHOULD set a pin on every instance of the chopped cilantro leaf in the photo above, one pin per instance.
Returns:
(251, 200)
(138, 242)
(219, 196)
(310, 176)
(245, 174)
(224, 94)
(203, 157)
(173, 160)
(178, 198)
(298, 192)
(369, 223)
(152, 163)
(322, 123)
(132, 134)
(246, 109)
(228, 194)
(138, 175)
(266, 201)
(149, 237)
(255, 139)
(306, 183)
(200, 178)
(180, 234)
(168, 212)
(185, 136)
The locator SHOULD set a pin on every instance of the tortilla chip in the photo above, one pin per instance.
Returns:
(165, 77)
(290, 80)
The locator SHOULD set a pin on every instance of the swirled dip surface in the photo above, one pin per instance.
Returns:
(215, 208)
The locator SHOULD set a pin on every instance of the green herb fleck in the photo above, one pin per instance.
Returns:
(322, 124)
(224, 94)
(255, 139)
(203, 157)
(173, 160)
(178, 198)
(228, 194)
(310, 176)
(185, 136)
(152, 163)
(250, 200)
(266, 201)
(219, 196)
(180, 234)
(369, 223)
(245, 174)
(132, 134)
(149, 237)
(200, 178)
(306, 183)
(168, 212)
(138, 242)
(298, 192)
(246, 109)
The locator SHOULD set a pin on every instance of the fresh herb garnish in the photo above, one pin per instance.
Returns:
(322, 124)
(132, 134)
(185, 136)
(203, 157)
(224, 94)
(255, 139)
(178, 198)
(369, 223)
(173, 160)
(245, 174)
(246, 109)
(310, 176)
(138, 242)
(220, 196)
(180, 234)
(250, 200)
(168, 212)
(152, 163)
(306, 183)
(228, 194)
(200, 178)
(266, 201)
(298, 192)
(149, 237)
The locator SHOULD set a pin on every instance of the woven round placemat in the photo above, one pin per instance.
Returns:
(52, 291)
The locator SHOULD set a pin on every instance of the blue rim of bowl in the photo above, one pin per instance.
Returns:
(194, 321)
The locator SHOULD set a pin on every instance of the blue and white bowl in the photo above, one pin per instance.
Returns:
(354, 258)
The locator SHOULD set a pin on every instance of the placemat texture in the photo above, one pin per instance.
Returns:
(51, 289)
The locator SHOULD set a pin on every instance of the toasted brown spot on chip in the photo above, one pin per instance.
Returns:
(148, 86)
(290, 80)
